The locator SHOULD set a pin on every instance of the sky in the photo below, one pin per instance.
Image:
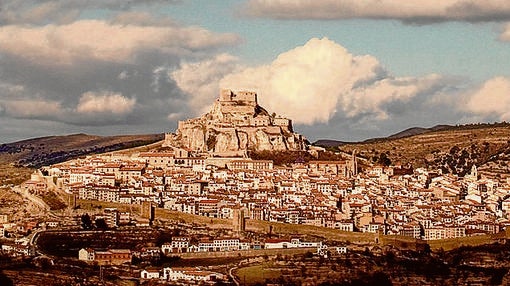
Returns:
(340, 69)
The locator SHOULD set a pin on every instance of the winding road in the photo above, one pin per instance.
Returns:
(232, 275)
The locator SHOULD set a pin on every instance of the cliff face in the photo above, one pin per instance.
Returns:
(236, 124)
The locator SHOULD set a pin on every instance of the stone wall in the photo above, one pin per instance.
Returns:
(240, 96)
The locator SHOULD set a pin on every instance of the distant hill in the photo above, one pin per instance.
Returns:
(406, 133)
(49, 150)
(451, 149)
(416, 131)
(328, 143)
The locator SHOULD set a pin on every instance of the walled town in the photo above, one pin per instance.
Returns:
(419, 203)
(208, 173)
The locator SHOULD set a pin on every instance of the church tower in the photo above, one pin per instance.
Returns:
(354, 164)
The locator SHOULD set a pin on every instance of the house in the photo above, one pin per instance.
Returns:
(52, 224)
(113, 256)
(276, 243)
(244, 244)
(150, 273)
(442, 232)
(205, 245)
(17, 249)
(2, 231)
(226, 244)
(208, 208)
(150, 252)
(341, 249)
(179, 244)
(86, 254)
(108, 257)
(190, 274)
(166, 248)
(345, 225)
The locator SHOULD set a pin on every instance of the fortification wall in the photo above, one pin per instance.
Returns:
(236, 108)
(249, 96)
(240, 96)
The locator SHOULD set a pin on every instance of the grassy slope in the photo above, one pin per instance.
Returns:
(292, 229)
(54, 149)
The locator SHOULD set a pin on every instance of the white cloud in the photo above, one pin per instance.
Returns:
(36, 108)
(64, 11)
(10, 89)
(312, 83)
(174, 116)
(104, 41)
(405, 10)
(101, 102)
(491, 100)
(373, 98)
(505, 34)
(200, 80)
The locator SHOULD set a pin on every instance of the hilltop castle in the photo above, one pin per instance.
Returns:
(235, 125)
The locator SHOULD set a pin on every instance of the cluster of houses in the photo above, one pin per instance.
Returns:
(188, 274)
(183, 244)
(17, 245)
(390, 200)
(17, 249)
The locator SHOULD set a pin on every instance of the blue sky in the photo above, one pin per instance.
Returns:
(339, 69)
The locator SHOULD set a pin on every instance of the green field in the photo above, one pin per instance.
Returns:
(257, 274)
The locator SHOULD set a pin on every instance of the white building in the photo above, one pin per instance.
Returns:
(86, 254)
(189, 274)
(150, 273)
(226, 244)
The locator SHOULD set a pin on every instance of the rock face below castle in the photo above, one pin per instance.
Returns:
(236, 124)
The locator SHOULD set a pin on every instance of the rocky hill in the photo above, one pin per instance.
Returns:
(452, 149)
(38, 152)
(236, 124)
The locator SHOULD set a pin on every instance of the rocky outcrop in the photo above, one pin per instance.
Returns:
(236, 124)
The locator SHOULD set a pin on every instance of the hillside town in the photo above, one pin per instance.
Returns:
(208, 175)
(204, 169)
(394, 200)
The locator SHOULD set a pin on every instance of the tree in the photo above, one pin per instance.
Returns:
(86, 222)
(384, 160)
(101, 224)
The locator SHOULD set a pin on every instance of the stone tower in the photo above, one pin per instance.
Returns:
(147, 211)
(239, 220)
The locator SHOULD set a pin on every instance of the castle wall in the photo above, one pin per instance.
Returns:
(226, 95)
(235, 108)
(245, 96)
(240, 96)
